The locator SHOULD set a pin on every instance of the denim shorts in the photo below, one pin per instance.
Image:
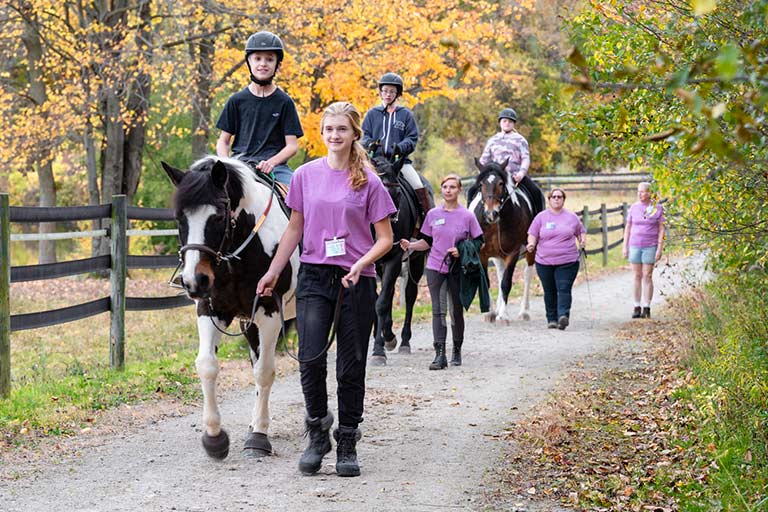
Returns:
(644, 255)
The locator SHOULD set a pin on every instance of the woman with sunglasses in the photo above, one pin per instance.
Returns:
(554, 234)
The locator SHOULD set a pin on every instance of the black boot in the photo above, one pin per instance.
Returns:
(647, 312)
(637, 313)
(346, 452)
(440, 361)
(456, 359)
(319, 444)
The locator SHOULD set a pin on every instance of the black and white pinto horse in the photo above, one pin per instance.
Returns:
(505, 219)
(229, 229)
(389, 267)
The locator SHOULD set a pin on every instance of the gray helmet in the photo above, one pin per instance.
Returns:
(264, 42)
(392, 79)
(508, 113)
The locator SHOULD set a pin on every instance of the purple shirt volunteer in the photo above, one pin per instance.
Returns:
(645, 220)
(556, 235)
(447, 228)
(333, 210)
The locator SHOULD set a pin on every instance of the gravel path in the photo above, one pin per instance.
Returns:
(429, 436)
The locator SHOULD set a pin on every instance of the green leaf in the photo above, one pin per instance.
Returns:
(727, 62)
(702, 7)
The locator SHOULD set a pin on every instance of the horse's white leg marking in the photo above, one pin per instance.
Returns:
(500, 267)
(289, 306)
(264, 369)
(196, 220)
(524, 302)
(208, 370)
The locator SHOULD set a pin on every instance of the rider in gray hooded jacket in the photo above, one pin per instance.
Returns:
(391, 129)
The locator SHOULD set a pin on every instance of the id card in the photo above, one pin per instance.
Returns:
(335, 247)
(550, 225)
(439, 222)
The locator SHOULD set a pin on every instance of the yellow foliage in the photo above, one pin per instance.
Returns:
(334, 51)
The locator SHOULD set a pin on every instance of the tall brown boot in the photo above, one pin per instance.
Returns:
(424, 203)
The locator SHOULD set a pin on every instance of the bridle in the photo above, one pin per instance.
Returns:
(499, 198)
(230, 223)
(502, 199)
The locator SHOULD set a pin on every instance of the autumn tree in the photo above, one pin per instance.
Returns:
(681, 89)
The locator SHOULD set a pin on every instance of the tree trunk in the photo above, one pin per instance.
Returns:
(39, 96)
(202, 53)
(139, 89)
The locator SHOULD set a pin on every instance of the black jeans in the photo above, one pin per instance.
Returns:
(316, 295)
(435, 281)
(557, 281)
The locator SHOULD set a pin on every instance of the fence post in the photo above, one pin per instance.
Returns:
(5, 296)
(604, 229)
(585, 217)
(117, 276)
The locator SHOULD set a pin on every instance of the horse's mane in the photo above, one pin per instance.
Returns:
(197, 187)
(496, 170)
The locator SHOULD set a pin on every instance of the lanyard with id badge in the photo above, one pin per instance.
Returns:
(335, 247)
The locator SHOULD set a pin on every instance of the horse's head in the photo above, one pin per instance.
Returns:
(203, 202)
(389, 172)
(492, 185)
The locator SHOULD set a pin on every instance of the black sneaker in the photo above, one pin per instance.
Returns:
(562, 322)
(646, 312)
(637, 313)
(346, 452)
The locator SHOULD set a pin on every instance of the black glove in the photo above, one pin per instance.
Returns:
(397, 151)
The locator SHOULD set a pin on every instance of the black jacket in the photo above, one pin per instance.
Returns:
(472, 276)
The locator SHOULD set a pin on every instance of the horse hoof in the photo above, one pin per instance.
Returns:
(217, 447)
(257, 445)
(489, 317)
(390, 344)
(525, 316)
(503, 321)
(378, 361)
(404, 349)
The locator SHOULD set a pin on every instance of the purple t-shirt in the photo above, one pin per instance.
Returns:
(447, 228)
(556, 235)
(333, 210)
(645, 221)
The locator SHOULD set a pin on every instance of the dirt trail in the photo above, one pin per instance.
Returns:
(429, 436)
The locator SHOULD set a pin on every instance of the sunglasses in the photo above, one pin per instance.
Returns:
(557, 197)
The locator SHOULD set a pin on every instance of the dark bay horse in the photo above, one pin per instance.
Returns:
(229, 226)
(505, 218)
(389, 267)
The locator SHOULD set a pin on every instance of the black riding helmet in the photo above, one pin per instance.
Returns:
(508, 113)
(264, 42)
(392, 79)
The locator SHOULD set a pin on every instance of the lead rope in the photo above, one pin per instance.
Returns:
(334, 325)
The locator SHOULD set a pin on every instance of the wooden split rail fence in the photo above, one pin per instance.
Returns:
(118, 262)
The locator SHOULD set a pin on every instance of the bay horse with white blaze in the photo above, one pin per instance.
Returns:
(505, 218)
(389, 267)
(229, 227)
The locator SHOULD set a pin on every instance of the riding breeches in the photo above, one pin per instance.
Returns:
(410, 174)
(316, 295)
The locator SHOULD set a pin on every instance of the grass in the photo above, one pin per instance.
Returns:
(682, 425)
